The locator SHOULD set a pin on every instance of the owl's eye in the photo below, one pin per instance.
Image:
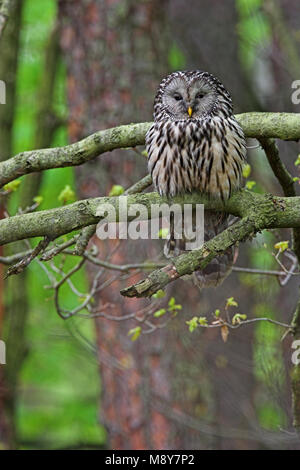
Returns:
(177, 97)
(200, 95)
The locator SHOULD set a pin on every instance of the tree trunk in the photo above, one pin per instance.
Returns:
(9, 44)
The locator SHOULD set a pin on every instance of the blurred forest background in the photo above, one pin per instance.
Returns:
(72, 68)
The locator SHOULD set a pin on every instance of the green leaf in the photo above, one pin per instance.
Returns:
(250, 184)
(282, 246)
(237, 318)
(193, 324)
(163, 233)
(246, 170)
(202, 320)
(12, 186)
(217, 313)
(160, 313)
(231, 302)
(159, 294)
(135, 333)
(173, 307)
(176, 58)
(66, 195)
(297, 161)
(116, 190)
(38, 200)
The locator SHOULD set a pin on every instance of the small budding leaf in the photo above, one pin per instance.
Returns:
(296, 178)
(172, 306)
(163, 233)
(159, 294)
(66, 195)
(231, 302)
(160, 313)
(193, 324)
(250, 184)
(38, 200)
(297, 161)
(116, 190)
(135, 333)
(237, 318)
(246, 170)
(282, 246)
(217, 313)
(202, 321)
(12, 186)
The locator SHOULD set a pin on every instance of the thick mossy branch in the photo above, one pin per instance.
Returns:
(270, 212)
(74, 154)
(285, 180)
(284, 126)
(260, 212)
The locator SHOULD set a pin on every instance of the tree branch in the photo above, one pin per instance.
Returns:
(270, 212)
(284, 126)
(191, 261)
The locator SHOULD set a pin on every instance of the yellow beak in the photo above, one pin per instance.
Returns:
(190, 111)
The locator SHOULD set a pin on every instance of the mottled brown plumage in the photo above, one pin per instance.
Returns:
(195, 143)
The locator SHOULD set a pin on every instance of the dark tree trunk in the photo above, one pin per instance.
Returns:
(116, 55)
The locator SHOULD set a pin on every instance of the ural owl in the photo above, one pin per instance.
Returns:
(195, 144)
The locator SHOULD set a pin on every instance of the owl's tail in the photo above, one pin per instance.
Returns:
(220, 267)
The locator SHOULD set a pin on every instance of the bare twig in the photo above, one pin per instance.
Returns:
(24, 262)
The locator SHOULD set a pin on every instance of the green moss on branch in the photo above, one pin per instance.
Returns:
(277, 125)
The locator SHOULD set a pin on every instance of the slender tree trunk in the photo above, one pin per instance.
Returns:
(17, 311)
(9, 45)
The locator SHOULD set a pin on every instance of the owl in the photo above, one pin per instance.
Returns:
(195, 144)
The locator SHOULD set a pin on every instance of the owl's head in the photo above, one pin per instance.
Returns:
(191, 95)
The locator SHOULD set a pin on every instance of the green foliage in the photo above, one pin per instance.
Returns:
(38, 200)
(192, 324)
(281, 246)
(250, 184)
(253, 29)
(116, 190)
(230, 302)
(66, 195)
(172, 306)
(159, 313)
(176, 58)
(246, 170)
(12, 186)
(163, 233)
(237, 318)
(159, 294)
(297, 161)
(135, 333)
